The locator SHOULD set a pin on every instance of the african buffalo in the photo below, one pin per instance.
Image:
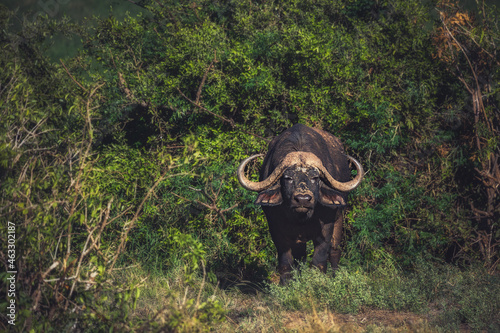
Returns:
(303, 187)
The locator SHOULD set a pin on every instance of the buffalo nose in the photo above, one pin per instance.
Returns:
(303, 199)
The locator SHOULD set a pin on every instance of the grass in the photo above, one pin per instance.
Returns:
(430, 298)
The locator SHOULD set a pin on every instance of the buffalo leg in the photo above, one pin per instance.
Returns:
(285, 263)
(288, 256)
(283, 247)
(321, 254)
(299, 252)
(335, 250)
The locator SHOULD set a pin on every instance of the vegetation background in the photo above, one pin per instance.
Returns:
(121, 134)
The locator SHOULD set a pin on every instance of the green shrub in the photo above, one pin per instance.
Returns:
(458, 295)
(350, 290)
(126, 151)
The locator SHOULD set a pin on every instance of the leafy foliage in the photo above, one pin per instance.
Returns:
(126, 152)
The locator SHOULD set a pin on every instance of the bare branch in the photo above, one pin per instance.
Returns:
(229, 121)
(71, 76)
(130, 225)
(198, 94)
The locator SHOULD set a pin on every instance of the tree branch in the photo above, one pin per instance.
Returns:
(71, 76)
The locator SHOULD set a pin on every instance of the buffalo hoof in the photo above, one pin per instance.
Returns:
(285, 274)
(285, 278)
(334, 271)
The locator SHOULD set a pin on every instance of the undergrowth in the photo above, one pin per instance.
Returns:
(444, 293)
(429, 298)
(125, 152)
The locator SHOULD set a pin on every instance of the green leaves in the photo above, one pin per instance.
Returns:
(131, 146)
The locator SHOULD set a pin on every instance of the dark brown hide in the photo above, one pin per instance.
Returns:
(300, 207)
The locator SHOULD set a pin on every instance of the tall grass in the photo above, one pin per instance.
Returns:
(429, 298)
(446, 294)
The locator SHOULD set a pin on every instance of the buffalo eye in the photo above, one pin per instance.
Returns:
(287, 178)
(314, 179)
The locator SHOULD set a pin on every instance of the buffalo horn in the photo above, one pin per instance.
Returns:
(258, 186)
(305, 159)
(347, 186)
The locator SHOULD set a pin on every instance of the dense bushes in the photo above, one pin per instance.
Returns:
(362, 70)
(126, 152)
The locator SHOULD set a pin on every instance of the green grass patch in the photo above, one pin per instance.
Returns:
(457, 296)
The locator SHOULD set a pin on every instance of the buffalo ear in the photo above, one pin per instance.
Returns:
(329, 197)
(270, 197)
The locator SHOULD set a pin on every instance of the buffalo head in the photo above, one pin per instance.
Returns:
(300, 182)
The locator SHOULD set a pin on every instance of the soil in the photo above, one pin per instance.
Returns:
(388, 321)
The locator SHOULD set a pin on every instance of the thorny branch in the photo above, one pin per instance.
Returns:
(72, 77)
(130, 225)
(229, 121)
(200, 107)
(212, 199)
(489, 174)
